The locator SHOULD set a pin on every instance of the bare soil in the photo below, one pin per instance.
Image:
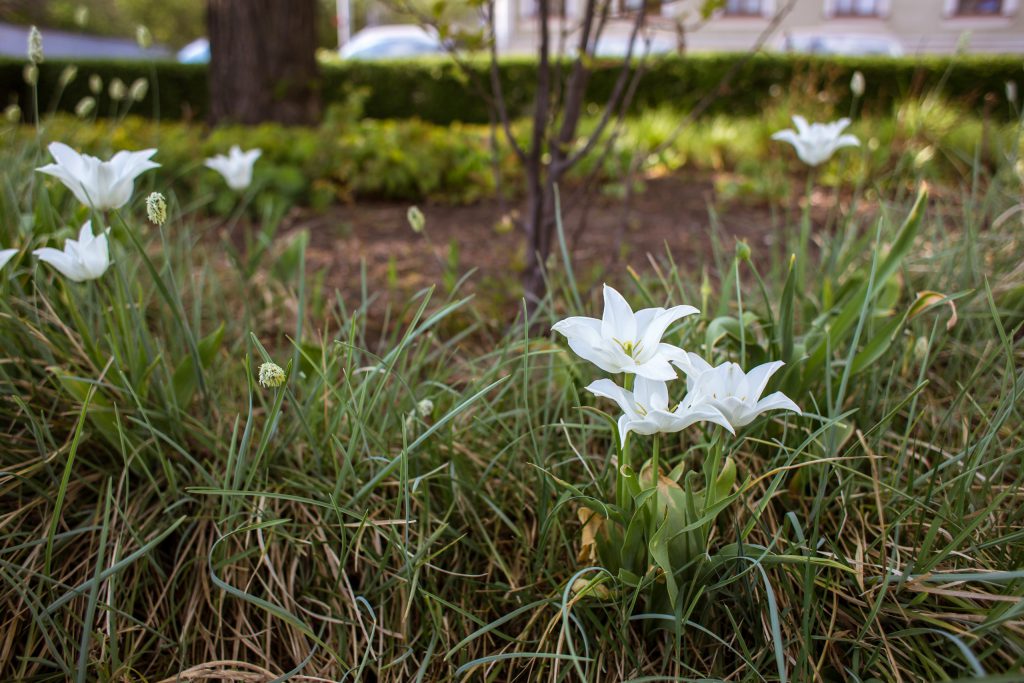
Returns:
(678, 213)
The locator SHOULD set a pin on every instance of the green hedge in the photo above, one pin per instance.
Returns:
(439, 92)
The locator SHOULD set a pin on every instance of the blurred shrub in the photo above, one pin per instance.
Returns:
(438, 91)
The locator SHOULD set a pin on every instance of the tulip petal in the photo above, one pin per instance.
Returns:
(757, 379)
(618, 321)
(64, 264)
(6, 255)
(847, 141)
(606, 388)
(652, 394)
(657, 368)
(660, 321)
(777, 401)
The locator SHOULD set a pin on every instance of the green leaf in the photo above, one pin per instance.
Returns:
(185, 375)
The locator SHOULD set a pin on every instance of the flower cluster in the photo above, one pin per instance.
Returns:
(108, 185)
(624, 341)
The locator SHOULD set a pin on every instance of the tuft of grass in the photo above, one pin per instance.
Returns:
(163, 517)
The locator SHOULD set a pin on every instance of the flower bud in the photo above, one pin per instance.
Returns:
(117, 90)
(12, 114)
(857, 84)
(425, 407)
(140, 86)
(35, 46)
(417, 221)
(31, 74)
(143, 37)
(920, 349)
(743, 250)
(81, 15)
(85, 106)
(95, 84)
(67, 75)
(156, 209)
(272, 375)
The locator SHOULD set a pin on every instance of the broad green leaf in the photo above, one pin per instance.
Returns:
(184, 378)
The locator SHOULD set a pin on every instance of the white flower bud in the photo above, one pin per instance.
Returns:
(95, 84)
(31, 74)
(35, 46)
(156, 208)
(143, 37)
(67, 75)
(272, 375)
(857, 84)
(417, 221)
(117, 90)
(140, 86)
(12, 113)
(425, 407)
(85, 106)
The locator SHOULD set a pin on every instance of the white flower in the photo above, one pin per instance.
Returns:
(6, 255)
(272, 375)
(645, 410)
(624, 341)
(731, 391)
(99, 184)
(86, 258)
(815, 143)
(236, 166)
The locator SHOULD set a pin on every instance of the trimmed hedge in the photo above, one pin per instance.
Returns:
(438, 91)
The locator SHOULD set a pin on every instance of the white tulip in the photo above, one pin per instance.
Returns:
(624, 341)
(86, 258)
(98, 184)
(645, 410)
(815, 143)
(236, 166)
(734, 393)
(6, 255)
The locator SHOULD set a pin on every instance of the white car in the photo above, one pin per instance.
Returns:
(391, 42)
(842, 44)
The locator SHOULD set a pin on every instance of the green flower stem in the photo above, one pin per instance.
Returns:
(624, 460)
(712, 469)
(654, 459)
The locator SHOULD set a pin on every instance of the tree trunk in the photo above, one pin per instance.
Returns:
(263, 61)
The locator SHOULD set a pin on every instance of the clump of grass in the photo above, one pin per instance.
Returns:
(165, 516)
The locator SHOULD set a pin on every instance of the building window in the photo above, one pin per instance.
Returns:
(744, 8)
(531, 8)
(975, 8)
(648, 6)
(856, 8)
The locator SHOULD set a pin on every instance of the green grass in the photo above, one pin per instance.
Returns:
(161, 513)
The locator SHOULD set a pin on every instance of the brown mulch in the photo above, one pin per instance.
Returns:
(675, 211)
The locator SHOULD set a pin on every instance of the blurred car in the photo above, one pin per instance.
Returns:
(391, 42)
(843, 44)
(618, 45)
(196, 52)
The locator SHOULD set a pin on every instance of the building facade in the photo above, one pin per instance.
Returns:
(829, 26)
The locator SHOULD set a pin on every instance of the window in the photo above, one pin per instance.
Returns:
(648, 6)
(856, 8)
(531, 8)
(744, 8)
(979, 7)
